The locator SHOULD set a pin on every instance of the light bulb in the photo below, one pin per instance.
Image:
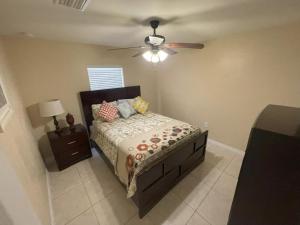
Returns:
(155, 58)
(162, 55)
(148, 55)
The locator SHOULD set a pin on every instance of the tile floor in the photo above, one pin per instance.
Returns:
(89, 194)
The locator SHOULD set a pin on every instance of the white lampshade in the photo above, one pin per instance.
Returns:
(51, 108)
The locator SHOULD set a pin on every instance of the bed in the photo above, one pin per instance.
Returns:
(149, 153)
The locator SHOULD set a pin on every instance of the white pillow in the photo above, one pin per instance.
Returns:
(96, 108)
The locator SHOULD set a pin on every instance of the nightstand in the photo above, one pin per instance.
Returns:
(70, 147)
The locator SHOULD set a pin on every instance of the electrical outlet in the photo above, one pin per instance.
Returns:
(205, 125)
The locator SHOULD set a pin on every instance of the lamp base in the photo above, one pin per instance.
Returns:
(57, 128)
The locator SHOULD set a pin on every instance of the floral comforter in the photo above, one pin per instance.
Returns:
(135, 143)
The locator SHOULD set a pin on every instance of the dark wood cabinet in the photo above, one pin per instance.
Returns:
(69, 146)
(268, 189)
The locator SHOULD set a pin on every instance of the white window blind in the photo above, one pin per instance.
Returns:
(105, 77)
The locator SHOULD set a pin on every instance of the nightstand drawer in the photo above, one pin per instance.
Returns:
(72, 141)
(72, 154)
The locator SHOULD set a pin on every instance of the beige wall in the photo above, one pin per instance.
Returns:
(15, 206)
(226, 84)
(230, 81)
(19, 147)
(50, 69)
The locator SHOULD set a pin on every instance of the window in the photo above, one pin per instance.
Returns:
(105, 77)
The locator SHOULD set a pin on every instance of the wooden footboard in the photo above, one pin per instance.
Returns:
(154, 183)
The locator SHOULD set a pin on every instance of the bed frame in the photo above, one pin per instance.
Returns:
(156, 181)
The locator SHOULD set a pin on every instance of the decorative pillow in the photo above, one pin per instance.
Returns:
(131, 101)
(140, 105)
(129, 105)
(96, 108)
(125, 109)
(108, 112)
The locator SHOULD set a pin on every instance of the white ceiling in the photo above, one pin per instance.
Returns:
(121, 22)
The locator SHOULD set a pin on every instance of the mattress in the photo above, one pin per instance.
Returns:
(134, 144)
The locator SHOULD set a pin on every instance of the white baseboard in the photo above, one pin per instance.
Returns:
(227, 147)
(49, 198)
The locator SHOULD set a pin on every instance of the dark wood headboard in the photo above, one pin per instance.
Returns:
(88, 98)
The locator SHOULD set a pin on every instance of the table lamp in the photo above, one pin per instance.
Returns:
(52, 108)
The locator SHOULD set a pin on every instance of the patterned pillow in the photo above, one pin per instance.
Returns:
(96, 108)
(140, 105)
(108, 112)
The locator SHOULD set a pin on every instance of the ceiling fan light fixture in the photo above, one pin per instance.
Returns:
(162, 55)
(156, 40)
(148, 56)
(155, 57)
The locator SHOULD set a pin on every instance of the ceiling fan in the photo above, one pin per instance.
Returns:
(156, 50)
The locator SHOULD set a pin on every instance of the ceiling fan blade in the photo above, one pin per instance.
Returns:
(184, 45)
(169, 51)
(138, 54)
(116, 49)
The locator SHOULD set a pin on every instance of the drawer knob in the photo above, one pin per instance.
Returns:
(75, 153)
(71, 142)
